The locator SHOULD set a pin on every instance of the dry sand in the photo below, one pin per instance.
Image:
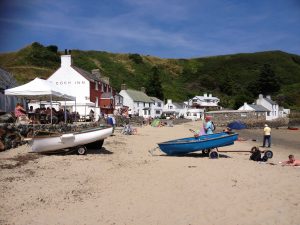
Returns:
(124, 184)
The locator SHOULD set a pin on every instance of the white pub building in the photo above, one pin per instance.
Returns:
(86, 87)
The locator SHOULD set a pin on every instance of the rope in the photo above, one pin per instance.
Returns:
(152, 150)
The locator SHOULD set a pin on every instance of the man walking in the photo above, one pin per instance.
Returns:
(267, 136)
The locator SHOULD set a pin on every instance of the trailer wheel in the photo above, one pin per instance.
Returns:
(206, 152)
(254, 148)
(213, 154)
(81, 150)
(269, 154)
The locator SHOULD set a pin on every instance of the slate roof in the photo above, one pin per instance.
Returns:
(270, 101)
(87, 75)
(156, 99)
(138, 96)
(179, 105)
(259, 108)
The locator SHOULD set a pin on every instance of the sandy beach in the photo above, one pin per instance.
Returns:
(123, 184)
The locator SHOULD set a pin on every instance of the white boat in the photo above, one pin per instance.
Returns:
(79, 141)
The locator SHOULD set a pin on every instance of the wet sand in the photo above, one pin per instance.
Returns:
(123, 184)
(287, 140)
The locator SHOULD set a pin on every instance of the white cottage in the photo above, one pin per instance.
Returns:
(253, 107)
(174, 109)
(157, 107)
(138, 103)
(88, 88)
(205, 101)
(268, 106)
(268, 103)
(194, 114)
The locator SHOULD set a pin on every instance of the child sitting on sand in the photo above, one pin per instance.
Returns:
(291, 162)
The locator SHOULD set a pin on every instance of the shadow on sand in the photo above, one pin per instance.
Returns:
(89, 151)
(194, 155)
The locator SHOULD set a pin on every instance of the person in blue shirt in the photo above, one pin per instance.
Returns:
(208, 127)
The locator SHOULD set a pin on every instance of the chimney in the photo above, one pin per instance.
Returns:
(210, 95)
(205, 95)
(66, 51)
(260, 96)
(143, 89)
(70, 52)
(169, 101)
(268, 97)
(66, 61)
(123, 87)
(96, 72)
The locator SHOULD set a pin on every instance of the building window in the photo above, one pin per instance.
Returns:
(157, 112)
(159, 104)
(96, 85)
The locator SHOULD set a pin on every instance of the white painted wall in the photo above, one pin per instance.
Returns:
(136, 107)
(274, 109)
(194, 114)
(127, 101)
(157, 110)
(70, 80)
(74, 84)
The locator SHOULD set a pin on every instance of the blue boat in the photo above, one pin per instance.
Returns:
(202, 143)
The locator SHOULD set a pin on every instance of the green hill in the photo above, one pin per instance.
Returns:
(234, 78)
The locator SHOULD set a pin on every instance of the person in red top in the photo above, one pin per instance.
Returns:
(20, 114)
(19, 110)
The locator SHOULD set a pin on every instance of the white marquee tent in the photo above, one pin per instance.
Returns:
(39, 89)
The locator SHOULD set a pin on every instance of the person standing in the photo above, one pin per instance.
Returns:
(208, 125)
(267, 136)
(113, 123)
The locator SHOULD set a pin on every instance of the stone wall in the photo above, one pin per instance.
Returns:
(222, 118)
(250, 118)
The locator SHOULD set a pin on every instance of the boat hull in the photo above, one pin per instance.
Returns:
(69, 140)
(192, 144)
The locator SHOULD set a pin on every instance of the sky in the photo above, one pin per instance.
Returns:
(162, 28)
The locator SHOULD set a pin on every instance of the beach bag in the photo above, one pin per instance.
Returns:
(256, 155)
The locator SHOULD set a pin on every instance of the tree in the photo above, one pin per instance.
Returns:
(268, 83)
(240, 99)
(153, 86)
(52, 48)
(136, 58)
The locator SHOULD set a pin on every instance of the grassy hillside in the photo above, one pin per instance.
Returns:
(234, 78)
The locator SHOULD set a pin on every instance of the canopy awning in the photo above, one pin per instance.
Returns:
(39, 89)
